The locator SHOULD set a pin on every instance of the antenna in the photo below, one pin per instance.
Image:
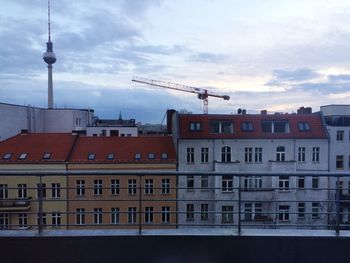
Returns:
(49, 22)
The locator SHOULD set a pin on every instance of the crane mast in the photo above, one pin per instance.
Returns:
(202, 94)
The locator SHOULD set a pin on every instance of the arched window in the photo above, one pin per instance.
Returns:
(280, 154)
(226, 154)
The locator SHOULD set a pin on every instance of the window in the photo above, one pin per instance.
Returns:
(23, 156)
(204, 182)
(190, 155)
(252, 182)
(131, 215)
(252, 210)
(283, 183)
(340, 135)
(258, 155)
(301, 182)
(349, 162)
(115, 187)
(316, 154)
(43, 219)
(190, 212)
(56, 219)
(166, 186)
(340, 162)
(226, 154)
(149, 214)
(218, 126)
(98, 187)
(56, 190)
(22, 220)
(301, 210)
(190, 182)
(227, 214)
(204, 155)
(204, 212)
(164, 156)
(227, 183)
(248, 154)
(138, 156)
(46, 156)
(22, 190)
(165, 214)
(91, 156)
(110, 156)
(149, 186)
(80, 216)
(280, 154)
(115, 217)
(195, 126)
(132, 186)
(3, 191)
(275, 126)
(301, 154)
(98, 216)
(41, 187)
(247, 126)
(151, 156)
(80, 188)
(315, 182)
(6, 156)
(283, 213)
(303, 126)
(315, 210)
(4, 220)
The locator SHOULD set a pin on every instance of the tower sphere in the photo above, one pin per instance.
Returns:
(49, 56)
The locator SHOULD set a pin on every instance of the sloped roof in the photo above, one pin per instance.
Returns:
(317, 128)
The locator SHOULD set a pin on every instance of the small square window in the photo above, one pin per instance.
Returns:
(303, 126)
(22, 156)
(151, 156)
(110, 156)
(137, 156)
(7, 156)
(164, 156)
(91, 156)
(47, 156)
(247, 126)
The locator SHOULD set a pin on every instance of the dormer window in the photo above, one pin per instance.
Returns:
(275, 126)
(303, 126)
(7, 156)
(195, 126)
(91, 156)
(247, 126)
(221, 126)
(46, 156)
(110, 156)
(151, 156)
(164, 156)
(22, 156)
(137, 156)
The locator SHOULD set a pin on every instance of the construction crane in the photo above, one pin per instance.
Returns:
(202, 94)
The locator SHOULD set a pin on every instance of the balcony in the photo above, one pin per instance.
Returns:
(14, 204)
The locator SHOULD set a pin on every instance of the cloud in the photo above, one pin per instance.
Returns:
(207, 57)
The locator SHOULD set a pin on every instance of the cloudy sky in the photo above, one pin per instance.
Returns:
(273, 54)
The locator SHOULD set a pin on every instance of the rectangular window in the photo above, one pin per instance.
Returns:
(56, 219)
(148, 186)
(166, 186)
(301, 210)
(247, 126)
(46, 156)
(252, 182)
(7, 156)
(303, 126)
(151, 156)
(41, 187)
(283, 183)
(132, 186)
(115, 187)
(252, 211)
(22, 190)
(138, 156)
(258, 154)
(80, 187)
(165, 214)
(80, 216)
(301, 154)
(91, 156)
(56, 190)
(315, 182)
(283, 213)
(340, 161)
(301, 182)
(3, 192)
(148, 215)
(98, 216)
(190, 182)
(248, 154)
(275, 126)
(340, 135)
(115, 215)
(204, 182)
(204, 212)
(110, 156)
(204, 155)
(22, 220)
(227, 183)
(4, 220)
(315, 210)
(98, 186)
(190, 212)
(227, 214)
(190, 155)
(131, 215)
(221, 126)
(195, 126)
(315, 154)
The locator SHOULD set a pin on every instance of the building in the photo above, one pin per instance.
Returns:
(253, 144)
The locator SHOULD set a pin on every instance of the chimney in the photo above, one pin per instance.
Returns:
(24, 132)
(304, 110)
(169, 117)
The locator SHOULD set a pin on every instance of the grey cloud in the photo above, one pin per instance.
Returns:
(323, 88)
(208, 57)
(295, 75)
(339, 78)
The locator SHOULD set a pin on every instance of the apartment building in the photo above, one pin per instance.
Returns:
(255, 144)
(122, 201)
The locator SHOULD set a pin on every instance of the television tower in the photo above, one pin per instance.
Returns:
(50, 58)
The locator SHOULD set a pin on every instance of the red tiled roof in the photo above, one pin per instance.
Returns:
(35, 145)
(124, 149)
(317, 129)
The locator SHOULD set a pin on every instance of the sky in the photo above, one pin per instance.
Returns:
(276, 55)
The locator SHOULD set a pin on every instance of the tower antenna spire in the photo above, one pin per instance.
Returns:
(49, 19)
